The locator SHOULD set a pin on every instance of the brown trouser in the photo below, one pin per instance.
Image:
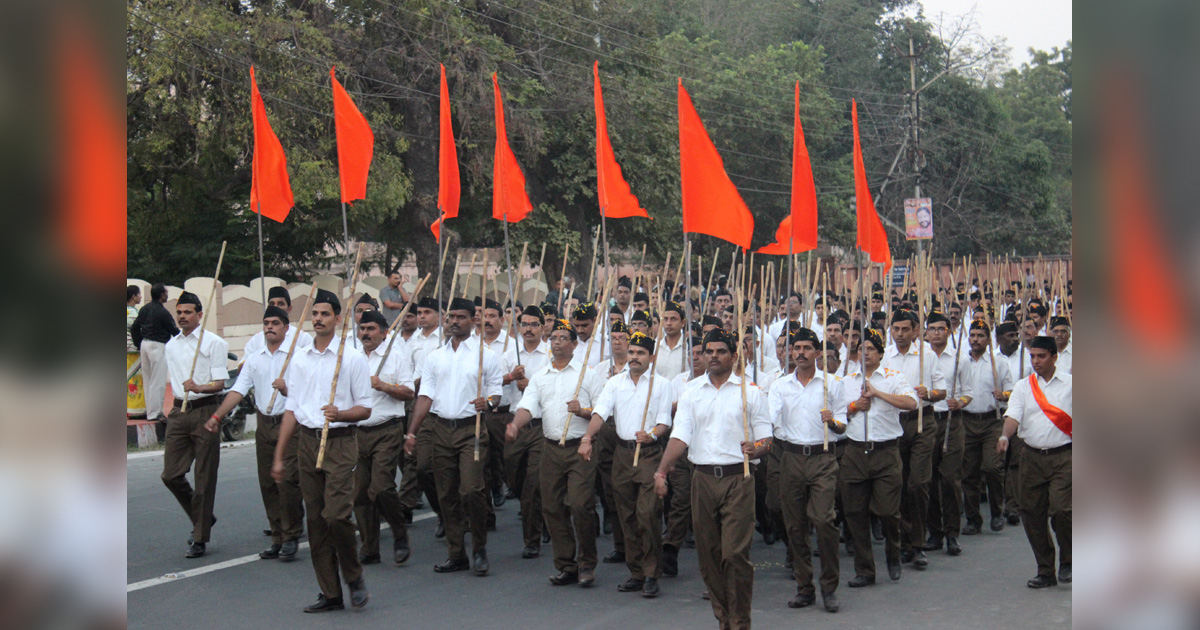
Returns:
(188, 441)
(522, 464)
(639, 509)
(285, 509)
(375, 484)
(808, 491)
(774, 502)
(604, 446)
(1046, 496)
(329, 502)
(945, 498)
(871, 484)
(981, 465)
(916, 460)
(460, 483)
(418, 473)
(496, 423)
(723, 519)
(1012, 478)
(679, 502)
(569, 497)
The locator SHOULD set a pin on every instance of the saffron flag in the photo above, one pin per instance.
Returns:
(781, 246)
(798, 231)
(355, 143)
(449, 187)
(871, 237)
(270, 190)
(711, 203)
(616, 200)
(509, 201)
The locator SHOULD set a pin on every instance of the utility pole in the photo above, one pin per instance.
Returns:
(914, 129)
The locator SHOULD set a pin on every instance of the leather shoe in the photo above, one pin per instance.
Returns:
(369, 558)
(325, 604)
(971, 529)
(894, 571)
(358, 593)
(650, 588)
(1014, 518)
(266, 532)
(802, 600)
(481, 564)
(769, 537)
(564, 578)
(498, 497)
(831, 602)
(1064, 573)
(531, 552)
(491, 522)
(288, 549)
(907, 555)
(859, 581)
(705, 596)
(616, 557)
(997, 524)
(545, 536)
(1042, 581)
(440, 532)
(400, 552)
(632, 585)
(877, 530)
(670, 561)
(587, 577)
(451, 565)
(919, 560)
(195, 550)
(271, 552)
(933, 544)
(952, 546)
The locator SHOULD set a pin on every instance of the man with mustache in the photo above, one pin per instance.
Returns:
(523, 455)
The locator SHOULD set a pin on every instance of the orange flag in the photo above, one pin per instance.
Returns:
(711, 203)
(355, 143)
(871, 237)
(616, 200)
(798, 231)
(781, 246)
(509, 201)
(270, 189)
(449, 188)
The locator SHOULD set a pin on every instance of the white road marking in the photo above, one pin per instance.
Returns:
(145, 454)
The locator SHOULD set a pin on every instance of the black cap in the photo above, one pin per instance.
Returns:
(624, 281)
(1057, 321)
(710, 320)
(979, 324)
(429, 303)
(641, 297)
(275, 311)
(642, 340)
(1044, 343)
(721, 336)
(549, 310)
(374, 317)
(534, 311)
(935, 317)
(328, 297)
(279, 292)
(619, 327)
(584, 312)
(1006, 327)
(616, 310)
(828, 347)
(462, 304)
(904, 315)
(875, 338)
(640, 316)
(803, 334)
(367, 299)
(672, 305)
(562, 324)
(190, 298)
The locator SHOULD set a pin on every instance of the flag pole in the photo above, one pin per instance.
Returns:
(262, 274)
(687, 304)
(346, 233)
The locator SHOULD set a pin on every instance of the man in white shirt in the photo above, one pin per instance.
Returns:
(194, 435)
(634, 404)
(1016, 354)
(523, 455)
(678, 503)
(328, 492)
(281, 299)
(804, 413)
(1060, 329)
(583, 320)
(712, 423)
(871, 475)
(672, 353)
(379, 440)
(454, 393)
(1039, 410)
(605, 442)
(489, 313)
(945, 497)
(418, 467)
(260, 372)
(560, 395)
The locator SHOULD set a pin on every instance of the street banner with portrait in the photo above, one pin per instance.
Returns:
(918, 219)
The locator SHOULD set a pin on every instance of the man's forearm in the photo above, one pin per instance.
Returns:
(231, 401)
(420, 410)
(675, 448)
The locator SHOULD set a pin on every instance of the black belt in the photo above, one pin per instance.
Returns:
(912, 415)
(454, 423)
(333, 432)
(806, 449)
(382, 425)
(1049, 451)
(727, 470)
(202, 401)
(265, 419)
(632, 444)
(986, 415)
(568, 444)
(536, 422)
(873, 446)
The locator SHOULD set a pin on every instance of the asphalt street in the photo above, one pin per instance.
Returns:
(231, 588)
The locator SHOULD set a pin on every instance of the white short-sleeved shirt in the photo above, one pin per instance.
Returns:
(210, 365)
(709, 420)
(581, 350)
(977, 376)
(420, 345)
(882, 420)
(449, 378)
(670, 362)
(310, 377)
(909, 364)
(397, 370)
(258, 341)
(550, 390)
(532, 361)
(606, 370)
(258, 372)
(624, 401)
(796, 409)
(1033, 425)
(946, 362)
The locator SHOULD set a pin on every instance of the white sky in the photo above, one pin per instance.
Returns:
(1040, 24)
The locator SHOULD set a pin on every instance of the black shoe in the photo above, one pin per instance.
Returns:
(971, 529)
(587, 577)
(616, 557)
(894, 571)
(195, 550)
(650, 588)
(952, 546)
(859, 581)
(831, 602)
(358, 593)
(690, 541)
(907, 555)
(1064, 573)
(481, 564)
(491, 522)
(933, 543)
(420, 505)
(705, 596)
(1014, 518)
(324, 604)
(802, 600)
(877, 530)
(919, 560)
(271, 552)
(451, 565)
(369, 558)
(408, 520)
(564, 578)
(632, 585)
(670, 561)
(1042, 581)
(266, 532)
(400, 551)
(440, 532)
(997, 524)
(531, 552)
(509, 494)
(498, 497)
(545, 536)
(288, 549)
(769, 537)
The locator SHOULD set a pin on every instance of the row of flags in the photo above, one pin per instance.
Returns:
(711, 203)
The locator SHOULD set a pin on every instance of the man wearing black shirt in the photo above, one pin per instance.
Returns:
(150, 332)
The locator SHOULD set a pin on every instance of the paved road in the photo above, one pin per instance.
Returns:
(984, 587)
